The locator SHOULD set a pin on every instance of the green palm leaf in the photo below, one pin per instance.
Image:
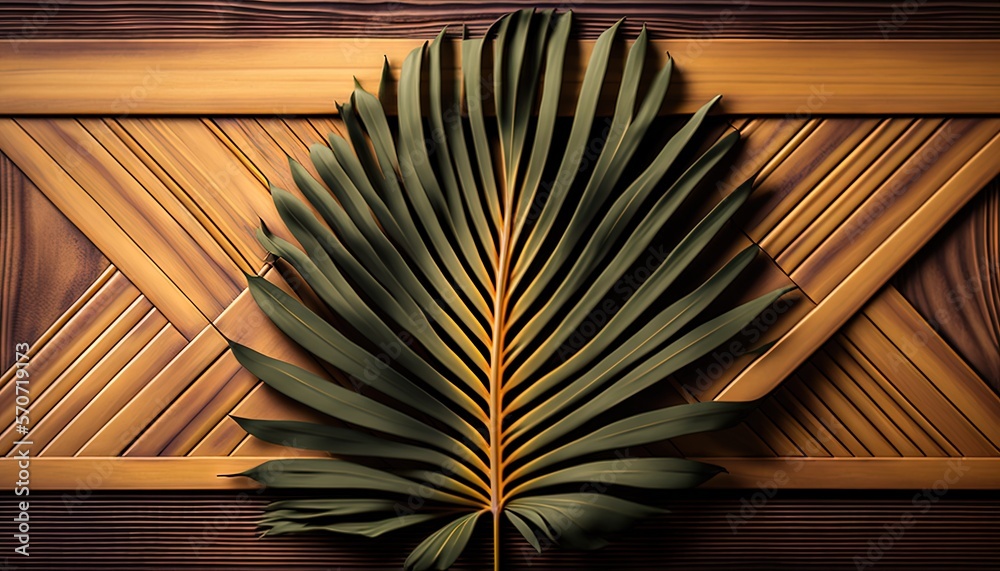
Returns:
(459, 245)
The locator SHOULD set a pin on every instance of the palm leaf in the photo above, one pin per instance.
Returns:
(459, 245)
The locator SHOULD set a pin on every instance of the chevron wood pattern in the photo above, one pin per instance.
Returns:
(135, 373)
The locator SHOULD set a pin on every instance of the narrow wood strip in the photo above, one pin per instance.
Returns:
(918, 389)
(824, 192)
(72, 399)
(856, 288)
(114, 395)
(303, 76)
(784, 422)
(935, 444)
(873, 176)
(51, 383)
(762, 143)
(63, 319)
(708, 20)
(134, 417)
(72, 390)
(184, 209)
(915, 339)
(801, 171)
(256, 148)
(804, 442)
(845, 374)
(200, 408)
(823, 424)
(882, 213)
(967, 473)
(202, 473)
(305, 131)
(808, 432)
(229, 196)
(101, 228)
(860, 418)
(771, 434)
(770, 161)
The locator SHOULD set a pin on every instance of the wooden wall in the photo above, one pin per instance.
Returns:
(792, 531)
(135, 139)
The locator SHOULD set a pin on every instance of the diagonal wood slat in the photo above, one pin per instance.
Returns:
(88, 215)
(862, 281)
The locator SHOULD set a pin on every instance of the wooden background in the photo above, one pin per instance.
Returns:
(130, 194)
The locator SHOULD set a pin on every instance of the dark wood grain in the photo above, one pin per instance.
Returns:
(46, 263)
(792, 530)
(883, 19)
(954, 282)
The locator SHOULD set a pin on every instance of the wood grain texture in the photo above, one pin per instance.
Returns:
(305, 76)
(148, 375)
(113, 19)
(954, 282)
(203, 473)
(794, 530)
(894, 240)
(46, 263)
(86, 213)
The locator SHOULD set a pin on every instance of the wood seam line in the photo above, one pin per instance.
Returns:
(946, 354)
(58, 324)
(188, 311)
(906, 405)
(175, 188)
(805, 337)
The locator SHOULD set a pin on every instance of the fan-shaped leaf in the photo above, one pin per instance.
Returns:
(458, 246)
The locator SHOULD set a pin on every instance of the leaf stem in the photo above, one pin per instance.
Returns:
(496, 376)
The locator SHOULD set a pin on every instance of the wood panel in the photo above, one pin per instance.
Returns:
(877, 19)
(46, 263)
(862, 393)
(304, 76)
(136, 371)
(954, 282)
(946, 191)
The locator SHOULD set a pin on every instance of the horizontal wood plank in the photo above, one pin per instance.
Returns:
(305, 76)
(204, 473)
